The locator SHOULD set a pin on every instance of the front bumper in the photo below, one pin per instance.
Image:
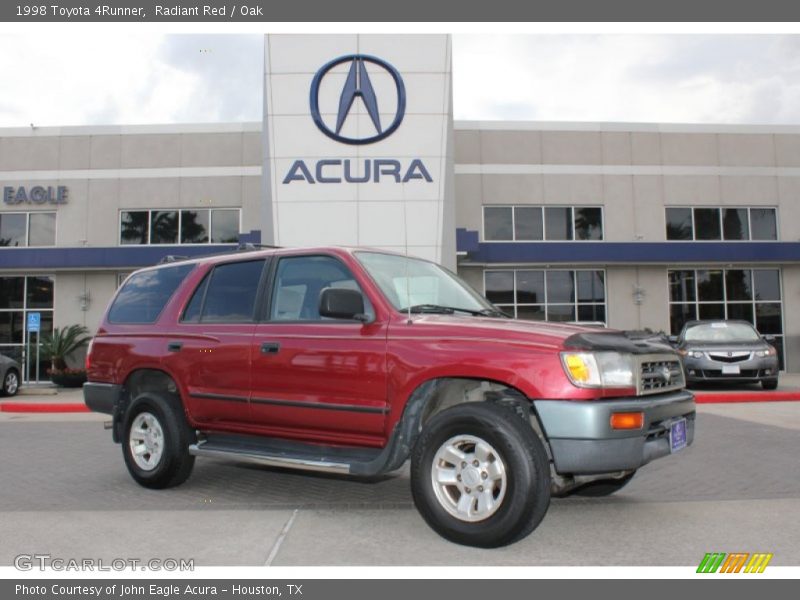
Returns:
(753, 370)
(583, 443)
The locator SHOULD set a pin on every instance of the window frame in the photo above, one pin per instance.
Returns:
(28, 366)
(720, 210)
(206, 279)
(28, 227)
(180, 211)
(265, 317)
(542, 207)
(575, 304)
(725, 302)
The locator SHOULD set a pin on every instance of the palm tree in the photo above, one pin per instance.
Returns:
(59, 345)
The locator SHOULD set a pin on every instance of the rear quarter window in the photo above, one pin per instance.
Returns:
(144, 295)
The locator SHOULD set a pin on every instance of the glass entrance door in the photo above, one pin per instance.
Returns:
(20, 295)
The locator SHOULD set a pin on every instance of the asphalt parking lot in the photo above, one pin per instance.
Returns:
(64, 491)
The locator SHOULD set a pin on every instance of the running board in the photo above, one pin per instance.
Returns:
(283, 453)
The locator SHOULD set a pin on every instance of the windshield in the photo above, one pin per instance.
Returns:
(411, 283)
(721, 332)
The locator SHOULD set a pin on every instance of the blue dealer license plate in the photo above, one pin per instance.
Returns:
(677, 436)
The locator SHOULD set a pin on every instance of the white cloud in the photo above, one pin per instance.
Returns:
(69, 79)
(660, 78)
(72, 80)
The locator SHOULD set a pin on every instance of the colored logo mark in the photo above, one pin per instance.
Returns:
(744, 562)
(358, 85)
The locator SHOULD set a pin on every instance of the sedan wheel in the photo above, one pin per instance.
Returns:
(11, 383)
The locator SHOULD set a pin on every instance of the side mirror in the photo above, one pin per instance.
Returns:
(340, 303)
(769, 338)
(673, 340)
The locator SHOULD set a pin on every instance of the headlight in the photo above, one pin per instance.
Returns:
(696, 354)
(767, 352)
(599, 369)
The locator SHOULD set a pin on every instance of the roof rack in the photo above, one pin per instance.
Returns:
(249, 247)
(244, 247)
(171, 258)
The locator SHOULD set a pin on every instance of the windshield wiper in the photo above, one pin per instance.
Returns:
(494, 312)
(449, 310)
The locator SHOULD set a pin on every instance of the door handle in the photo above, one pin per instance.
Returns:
(174, 346)
(270, 347)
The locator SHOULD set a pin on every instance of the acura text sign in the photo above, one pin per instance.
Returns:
(358, 89)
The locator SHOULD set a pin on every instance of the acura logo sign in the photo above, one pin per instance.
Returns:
(358, 84)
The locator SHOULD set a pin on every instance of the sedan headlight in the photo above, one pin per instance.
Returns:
(767, 352)
(599, 369)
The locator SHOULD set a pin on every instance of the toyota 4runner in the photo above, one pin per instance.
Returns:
(352, 361)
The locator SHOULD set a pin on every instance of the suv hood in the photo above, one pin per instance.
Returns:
(556, 335)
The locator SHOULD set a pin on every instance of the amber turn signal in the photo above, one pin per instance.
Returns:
(633, 420)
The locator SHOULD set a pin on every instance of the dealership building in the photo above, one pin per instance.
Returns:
(631, 225)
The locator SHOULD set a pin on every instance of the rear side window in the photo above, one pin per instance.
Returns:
(144, 295)
(227, 295)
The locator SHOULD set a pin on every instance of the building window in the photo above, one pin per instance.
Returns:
(549, 295)
(171, 227)
(714, 224)
(752, 295)
(20, 295)
(27, 229)
(542, 223)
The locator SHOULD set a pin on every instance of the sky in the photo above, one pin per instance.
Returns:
(65, 79)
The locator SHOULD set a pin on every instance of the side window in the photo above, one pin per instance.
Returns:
(144, 295)
(227, 295)
(191, 313)
(299, 282)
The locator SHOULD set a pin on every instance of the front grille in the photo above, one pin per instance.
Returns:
(660, 374)
(730, 357)
(748, 373)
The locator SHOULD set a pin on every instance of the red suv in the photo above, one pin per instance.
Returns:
(353, 361)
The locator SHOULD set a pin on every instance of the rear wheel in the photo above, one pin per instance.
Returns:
(603, 487)
(156, 440)
(769, 384)
(480, 475)
(10, 383)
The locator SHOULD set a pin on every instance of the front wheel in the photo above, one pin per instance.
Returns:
(480, 475)
(769, 384)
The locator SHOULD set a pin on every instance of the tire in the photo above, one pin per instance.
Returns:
(10, 385)
(157, 424)
(516, 464)
(602, 487)
(769, 384)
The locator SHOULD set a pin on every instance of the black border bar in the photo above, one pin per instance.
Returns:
(443, 11)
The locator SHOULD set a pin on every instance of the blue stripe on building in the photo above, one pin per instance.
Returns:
(467, 242)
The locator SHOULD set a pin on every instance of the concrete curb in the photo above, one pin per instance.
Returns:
(729, 397)
(43, 407)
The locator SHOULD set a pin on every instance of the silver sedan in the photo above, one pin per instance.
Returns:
(9, 376)
(727, 351)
